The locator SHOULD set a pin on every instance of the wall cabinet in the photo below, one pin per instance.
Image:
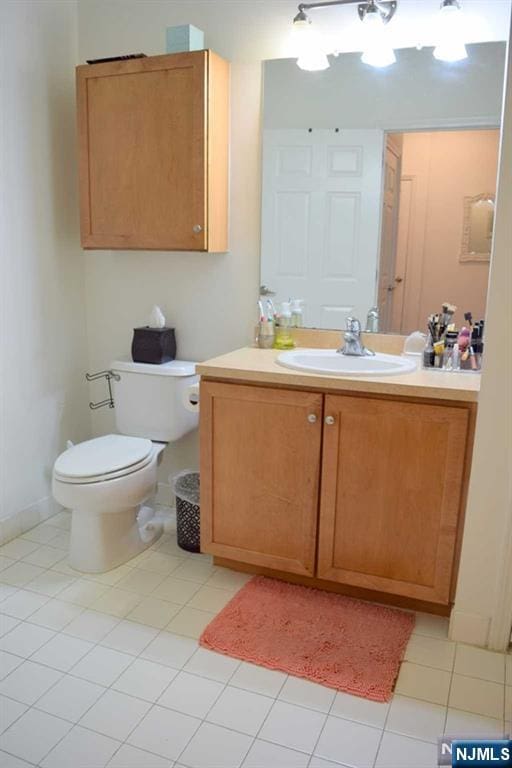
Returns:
(153, 152)
(386, 516)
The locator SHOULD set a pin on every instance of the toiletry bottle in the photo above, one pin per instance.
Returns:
(265, 338)
(428, 353)
(297, 313)
(450, 353)
(283, 338)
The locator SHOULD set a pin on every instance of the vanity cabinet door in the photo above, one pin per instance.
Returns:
(153, 152)
(260, 469)
(392, 480)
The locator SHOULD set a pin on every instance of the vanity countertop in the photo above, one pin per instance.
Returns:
(259, 366)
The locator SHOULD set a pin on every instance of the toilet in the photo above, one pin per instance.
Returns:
(105, 481)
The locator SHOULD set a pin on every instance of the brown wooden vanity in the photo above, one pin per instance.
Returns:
(354, 491)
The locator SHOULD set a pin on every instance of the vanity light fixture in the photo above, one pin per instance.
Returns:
(450, 46)
(373, 13)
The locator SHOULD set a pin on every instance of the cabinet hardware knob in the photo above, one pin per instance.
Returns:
(312, 418)
(197, 228)
(329, 420)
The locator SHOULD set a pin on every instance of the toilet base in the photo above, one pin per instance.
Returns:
(100, 542)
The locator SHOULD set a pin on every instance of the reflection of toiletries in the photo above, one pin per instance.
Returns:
(283, 338)
(450, 353)
(438, 354)
(428, 354)
(372, 320)
(297, 319)
(265, 338)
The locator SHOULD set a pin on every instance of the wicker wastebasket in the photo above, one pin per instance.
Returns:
(186, 490)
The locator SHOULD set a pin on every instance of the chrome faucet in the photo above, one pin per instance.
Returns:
(353, 343)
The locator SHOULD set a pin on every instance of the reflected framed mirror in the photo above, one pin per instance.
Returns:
(371, 181)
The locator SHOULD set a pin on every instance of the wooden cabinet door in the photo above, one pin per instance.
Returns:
(260, 468)
(391, 495)
(143, 154)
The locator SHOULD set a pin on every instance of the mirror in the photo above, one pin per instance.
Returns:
(372, 186)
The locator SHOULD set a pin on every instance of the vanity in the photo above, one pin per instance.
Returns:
(355, 484)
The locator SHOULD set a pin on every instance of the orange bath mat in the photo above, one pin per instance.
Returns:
(327, 638)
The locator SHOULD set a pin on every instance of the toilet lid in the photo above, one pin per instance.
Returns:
(103, 456)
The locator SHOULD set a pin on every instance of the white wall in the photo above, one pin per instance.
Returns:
(43, 338)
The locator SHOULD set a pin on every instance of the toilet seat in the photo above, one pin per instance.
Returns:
(103, 458)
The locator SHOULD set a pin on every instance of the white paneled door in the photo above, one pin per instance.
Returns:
(321, 214)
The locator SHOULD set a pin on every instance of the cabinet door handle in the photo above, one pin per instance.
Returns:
(196, 229)
(312, 418)
(329, 420)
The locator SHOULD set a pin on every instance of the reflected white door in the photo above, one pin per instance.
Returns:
(321, 214)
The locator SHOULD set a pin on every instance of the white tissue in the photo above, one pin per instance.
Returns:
(156, 318)
(191, 398)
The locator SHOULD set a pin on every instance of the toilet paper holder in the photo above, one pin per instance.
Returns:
(108, 375)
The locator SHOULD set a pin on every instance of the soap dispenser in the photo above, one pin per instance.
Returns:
(283, 338)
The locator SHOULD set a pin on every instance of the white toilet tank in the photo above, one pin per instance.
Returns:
(150, 399)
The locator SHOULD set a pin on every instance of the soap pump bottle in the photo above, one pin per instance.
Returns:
(283, 338)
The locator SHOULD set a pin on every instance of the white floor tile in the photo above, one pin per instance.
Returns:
(50, 583)
(258, 679)
(41, 534)
(318, 762)
(9, 761)
(191, 695)
(6, 590)
(432, 626)
(25, 639)
(83, 592)
(459, 723)
(55, 614)
(70, 698)
(154, 612)
(62, 652)
(115, 714)
(111, 578)
(81, 749)
(28, 682)
(211, 599)
(157, 562)
(8, 663)
(45, 556)
(224, 578)
(240, 710)
(262, 754)
(140, 581)
(174, 590)
(431, 652)
(164, 732)
(476, 662)
(171, 650)
(91, 625)
(361, 710)
(130, 637)
(348, 742)
(20, 573)
(402, 752)
(307, 694)
(102, 665)
(61, 520)
(292, 726)
(481, 697)
(215, 747)
(22, 604)
(423, 683)
(10, 711)
(190, 622)
(194, 570)
(7, 623)
(131, 757)
(415, 718)
(33, 735)
(5, 562)
(18, 548)
(212, 665)
(145, 679)
(117, 602)
(62, 542)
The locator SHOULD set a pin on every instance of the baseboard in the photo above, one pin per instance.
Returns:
(469, 628)
(27, 518)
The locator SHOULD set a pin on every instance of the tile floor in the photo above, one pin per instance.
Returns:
(106, 670)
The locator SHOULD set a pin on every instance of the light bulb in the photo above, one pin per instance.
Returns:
(450, 45)
(377, 51)
(311, 55)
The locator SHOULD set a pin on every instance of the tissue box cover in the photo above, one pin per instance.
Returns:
(153, 345)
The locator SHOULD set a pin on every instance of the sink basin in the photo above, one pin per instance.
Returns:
(331, 362)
